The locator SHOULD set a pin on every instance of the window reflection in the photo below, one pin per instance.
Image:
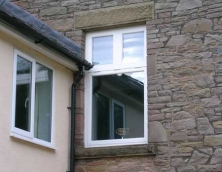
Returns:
(133, 47)
(118, 106)
(102, 51)
(23, 94)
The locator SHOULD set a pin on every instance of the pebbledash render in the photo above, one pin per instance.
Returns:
(184, 80)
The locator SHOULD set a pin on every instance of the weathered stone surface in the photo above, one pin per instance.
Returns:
(212, 38)
(178, 136)
(202, 93)
(198, 26)
(178, 40)
(211, 102)
(217, 156)
(214, 140)
(156, 132)
(156, 106)
(115, 151)
(198, 158)
(216, 91)
(159, 6)
(192, 144)
(208, 151)
(204, 126)
(186, 169)
(178, 162)
(167, 169)
(114, 16)
(182, 124)
(204, 80)
(209, 168)
(161, 160)
(53, 11)
(217, 124)
(61, 24)
(164, 99)
(182, 115)
(177, 104)
(188, 4)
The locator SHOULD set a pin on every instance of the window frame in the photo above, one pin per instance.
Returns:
(29, 135)
(88, 112)
(117, 48)
(116, 68)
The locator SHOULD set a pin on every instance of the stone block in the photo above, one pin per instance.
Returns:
(188, 4)
(204, 126)
(159, 6)
(217, 124)
(213, 140)
(198, 158)
(61, 25)
(211, 168)
(178, 40)
(217, 157)
(53, 11)
(113, 16)
(156, 132)
(163, 99)
(198, 26)
(186, 169)
(183, 124)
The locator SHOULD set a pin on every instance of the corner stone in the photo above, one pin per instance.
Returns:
(156, 132)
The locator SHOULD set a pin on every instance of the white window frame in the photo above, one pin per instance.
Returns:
(116, 68)
(29, 135)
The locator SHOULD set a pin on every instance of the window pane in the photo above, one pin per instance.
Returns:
(118, 106)
(23, 94)
(133, 47)
(43, 102)
(102, 51)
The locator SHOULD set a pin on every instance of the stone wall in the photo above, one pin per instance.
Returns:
(185, 94)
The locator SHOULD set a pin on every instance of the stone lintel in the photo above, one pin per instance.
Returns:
(119, 151)
(114, 16)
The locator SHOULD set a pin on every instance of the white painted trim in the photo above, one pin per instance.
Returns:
(38, 47)
(117, 48)
(29, 135)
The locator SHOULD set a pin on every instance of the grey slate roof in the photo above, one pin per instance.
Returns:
(37, 30)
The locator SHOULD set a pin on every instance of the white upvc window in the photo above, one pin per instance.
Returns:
(116, 88)
(32, 106)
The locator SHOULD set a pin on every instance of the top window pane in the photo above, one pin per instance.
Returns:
(102, 50)
(133, 47)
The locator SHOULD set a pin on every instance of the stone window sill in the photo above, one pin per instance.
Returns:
(120, 151)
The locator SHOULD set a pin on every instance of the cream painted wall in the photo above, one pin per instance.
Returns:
(21, 156)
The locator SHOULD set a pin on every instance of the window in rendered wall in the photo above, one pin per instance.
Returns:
(32, 100)
(116, 88)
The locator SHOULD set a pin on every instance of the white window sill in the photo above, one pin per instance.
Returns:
(34, 141)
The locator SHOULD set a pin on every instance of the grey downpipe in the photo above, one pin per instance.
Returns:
(73, 104)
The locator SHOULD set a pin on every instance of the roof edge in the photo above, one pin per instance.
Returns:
(40, 32)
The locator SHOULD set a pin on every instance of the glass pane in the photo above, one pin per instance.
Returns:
(23, 94)
(43, 103)
(118, 106)
(133, 47)
(102, 50)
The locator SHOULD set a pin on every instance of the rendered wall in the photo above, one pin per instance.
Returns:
(185, 88)
(17, 155)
